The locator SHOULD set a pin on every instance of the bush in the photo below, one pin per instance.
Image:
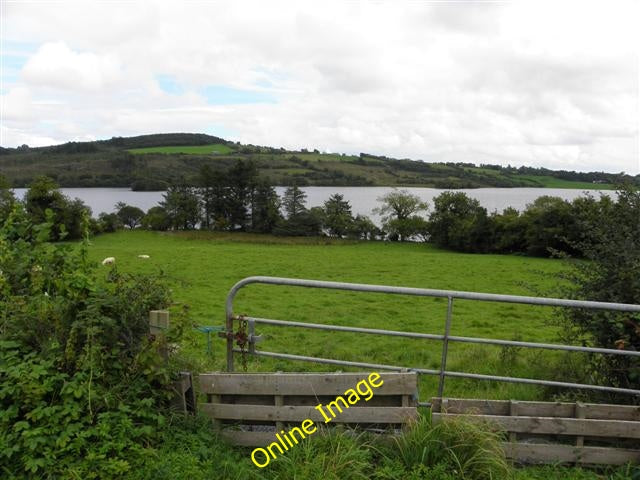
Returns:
(81, 383)
(610, 274)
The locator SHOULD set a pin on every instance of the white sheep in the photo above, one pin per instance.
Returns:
(109, 261)
(143, 256)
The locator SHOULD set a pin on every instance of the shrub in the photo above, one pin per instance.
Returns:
(81, 382)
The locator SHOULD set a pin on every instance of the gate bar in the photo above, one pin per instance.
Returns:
(435, 336)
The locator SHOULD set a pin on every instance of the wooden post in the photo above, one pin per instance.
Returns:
(158, 324)
(279, 401)
(513, 411)
(579, 413)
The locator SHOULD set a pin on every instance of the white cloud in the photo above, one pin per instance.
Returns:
(537, 83)
(55, 65)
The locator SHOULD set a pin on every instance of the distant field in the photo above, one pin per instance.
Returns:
(551, 182)
(202, 267)
(216, 148)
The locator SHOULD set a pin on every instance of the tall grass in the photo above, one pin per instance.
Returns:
(463, 449)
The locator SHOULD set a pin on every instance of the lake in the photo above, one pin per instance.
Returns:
(362, 199)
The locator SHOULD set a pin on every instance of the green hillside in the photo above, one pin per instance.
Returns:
(152, 162)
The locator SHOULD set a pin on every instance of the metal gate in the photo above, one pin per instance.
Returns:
(445, 338)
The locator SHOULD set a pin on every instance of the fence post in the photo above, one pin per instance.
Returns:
(229, 342)
(158, 324)
(445, 346)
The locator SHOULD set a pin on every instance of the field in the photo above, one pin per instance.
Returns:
(552, 182)
(216, 148)
(202, 267)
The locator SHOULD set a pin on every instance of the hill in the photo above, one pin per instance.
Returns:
(151, 162)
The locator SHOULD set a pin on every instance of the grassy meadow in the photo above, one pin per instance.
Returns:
(216, 148)
(201, 268)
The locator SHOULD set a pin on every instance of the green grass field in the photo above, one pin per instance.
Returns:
(216, 148)
(202, 267)
(552, 182)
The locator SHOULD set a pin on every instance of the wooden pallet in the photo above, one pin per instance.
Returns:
(552, 432)
(249, 408)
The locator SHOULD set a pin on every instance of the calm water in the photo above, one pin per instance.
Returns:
(363, 199)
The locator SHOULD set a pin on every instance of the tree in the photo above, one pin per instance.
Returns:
(182, 206)
(610, 274)
(7, 199)
(293, 201)
(460, 223)
(363, 228)
(215, 203)
(67, 215)
(413, 226)
(241, 179)
(509, 231)
(265, 208)
(397, 207)
(109, 222)
(129, 215)
(156, 219)
(550, 224)
(337, 215)
(227, 196)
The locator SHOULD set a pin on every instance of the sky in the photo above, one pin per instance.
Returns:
(546, 84)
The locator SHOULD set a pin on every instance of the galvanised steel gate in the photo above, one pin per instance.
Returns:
(450, 295)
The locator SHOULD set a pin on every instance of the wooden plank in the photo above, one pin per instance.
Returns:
(313, 400)
(457, 405)
(580, 413)
(293, 413)
(296, 383)
(612, 412)
(555, 453)
(540, 409)
(554, 425)
(262, 439)
(248, 439)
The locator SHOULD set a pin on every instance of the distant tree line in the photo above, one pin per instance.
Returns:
(237, 199)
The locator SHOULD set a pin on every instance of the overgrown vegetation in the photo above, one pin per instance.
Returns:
(610, 274)
(82, 386)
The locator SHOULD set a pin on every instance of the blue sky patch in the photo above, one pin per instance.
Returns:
(221, 95)
(169, 84)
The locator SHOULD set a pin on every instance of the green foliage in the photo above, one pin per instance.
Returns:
(399, 214)
(81, 382)
(461, 449)
(44, 196)
(156, 219)
(611, 274)
(109, 222)
(549, 222)
(265, 208)
(7, 198)
(460, 223)
(182, 206)
(293, 202)
(329, 456)
(129, 215)
(337, 215)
